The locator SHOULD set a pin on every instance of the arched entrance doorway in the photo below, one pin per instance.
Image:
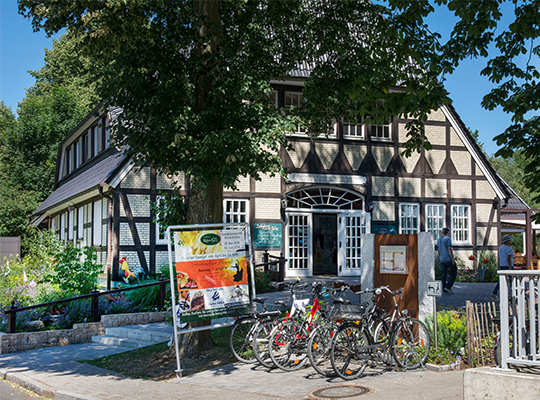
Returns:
(323, 229)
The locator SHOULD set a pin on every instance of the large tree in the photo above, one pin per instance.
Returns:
(196, 74)
(192, 78)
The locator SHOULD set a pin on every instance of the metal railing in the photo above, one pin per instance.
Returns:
(96, 316)
(277, 267)
(520, 323)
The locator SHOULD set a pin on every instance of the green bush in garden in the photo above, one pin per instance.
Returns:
(75, 270)
(451, 336)
(21, 278)
(263, 281)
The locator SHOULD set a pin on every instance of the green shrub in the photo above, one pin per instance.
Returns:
(75, 270)
(451, 336)
(263, 281)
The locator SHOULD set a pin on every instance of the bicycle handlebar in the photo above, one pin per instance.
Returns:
(380, 289)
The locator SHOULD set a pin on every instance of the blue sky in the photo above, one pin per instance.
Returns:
(22, 50)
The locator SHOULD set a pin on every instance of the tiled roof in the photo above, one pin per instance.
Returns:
(499, 185)
(90, 179)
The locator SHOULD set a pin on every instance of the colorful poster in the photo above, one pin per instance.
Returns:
(212, 272)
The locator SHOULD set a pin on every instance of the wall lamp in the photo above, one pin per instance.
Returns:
(370, 206)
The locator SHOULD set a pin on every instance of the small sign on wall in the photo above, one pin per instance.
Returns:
(393, 259)
(267, 235)
(383, 229)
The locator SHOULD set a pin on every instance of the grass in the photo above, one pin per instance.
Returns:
(158, 362)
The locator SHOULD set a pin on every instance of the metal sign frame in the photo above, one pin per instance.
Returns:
(172, 268)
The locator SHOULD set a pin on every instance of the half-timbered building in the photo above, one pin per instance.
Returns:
(338, 187)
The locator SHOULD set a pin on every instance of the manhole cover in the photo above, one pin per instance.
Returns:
(339, 392)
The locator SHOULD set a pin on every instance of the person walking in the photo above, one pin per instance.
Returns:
(448, 263)
(506, 260)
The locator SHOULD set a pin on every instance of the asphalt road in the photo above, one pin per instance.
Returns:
(10, 391)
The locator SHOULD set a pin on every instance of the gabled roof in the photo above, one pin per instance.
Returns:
(500, 187)
(101, 173)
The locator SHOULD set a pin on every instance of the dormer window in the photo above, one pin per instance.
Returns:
(67, 161)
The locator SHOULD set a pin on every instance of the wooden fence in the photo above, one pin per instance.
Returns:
(482, 327)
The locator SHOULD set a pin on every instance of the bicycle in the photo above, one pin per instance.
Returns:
(262, 333)
(243, 328)
(374, 337)
(287, 344)
(320, 339)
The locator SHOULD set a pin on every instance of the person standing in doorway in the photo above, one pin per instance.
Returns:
(506, 260)
(448, 263)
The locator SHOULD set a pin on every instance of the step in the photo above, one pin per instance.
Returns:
(123, 342)
(139, 334)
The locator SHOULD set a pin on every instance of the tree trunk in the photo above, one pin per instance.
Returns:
(204, 204)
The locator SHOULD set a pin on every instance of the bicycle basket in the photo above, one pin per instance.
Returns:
(349, 312)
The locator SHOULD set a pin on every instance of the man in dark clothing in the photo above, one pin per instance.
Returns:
(448, 264)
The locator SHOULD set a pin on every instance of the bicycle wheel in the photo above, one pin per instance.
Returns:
(240, 337)
(410, 343)
(318, 349)
(287, 346)
(261, 338)
(349, 354)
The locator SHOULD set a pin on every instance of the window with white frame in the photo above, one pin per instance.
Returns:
(354, 129)
(235, 210)
(80, 222)
(435, 219)
(294, 99)
(71, 220)
(461, 223)
(382, 132)
(273, 96)
(63, 227)
(408, 218)
(96, 224)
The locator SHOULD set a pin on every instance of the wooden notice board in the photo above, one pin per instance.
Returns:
(396, 265)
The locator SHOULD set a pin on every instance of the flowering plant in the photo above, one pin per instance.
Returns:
(485, 260)
(471, 257)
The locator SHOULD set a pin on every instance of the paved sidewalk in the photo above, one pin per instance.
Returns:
(55, 373)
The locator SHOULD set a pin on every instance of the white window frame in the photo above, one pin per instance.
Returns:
(376, 131)
(435, 219)
(232, 214)
(80, 222)
(275, 94)
(296, 101)
(71, 223)
(359, 129)
(96, 135)
(97, 223)
(63, 226)
(461, 223)
(412, 213)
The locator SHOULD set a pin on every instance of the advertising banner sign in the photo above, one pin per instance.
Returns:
(211, 268)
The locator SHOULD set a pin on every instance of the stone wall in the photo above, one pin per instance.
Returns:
(81, 333)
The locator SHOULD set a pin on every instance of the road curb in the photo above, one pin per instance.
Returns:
(40, 388)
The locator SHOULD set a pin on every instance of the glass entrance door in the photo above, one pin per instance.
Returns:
(325, 244)
(351, 225)
(299, 244)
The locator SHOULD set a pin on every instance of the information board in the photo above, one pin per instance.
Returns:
(211, 268)
(267, 235)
